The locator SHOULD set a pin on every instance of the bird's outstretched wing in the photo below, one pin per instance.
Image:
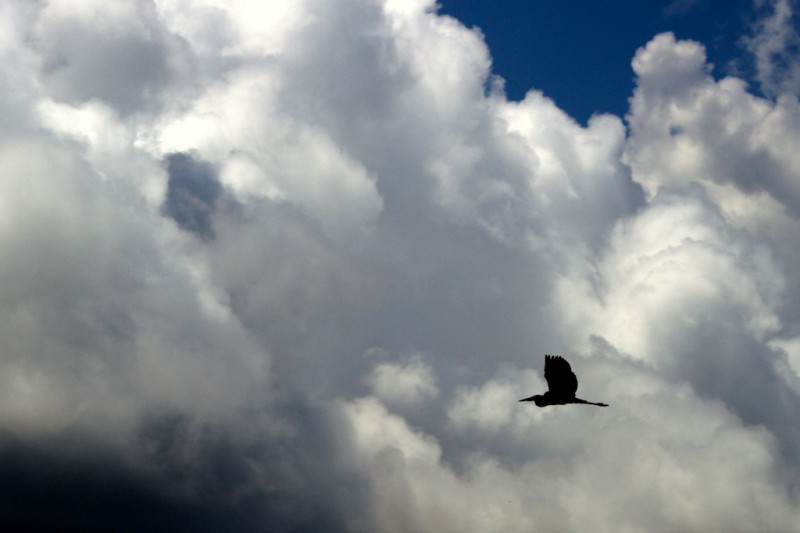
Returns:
(561, 381)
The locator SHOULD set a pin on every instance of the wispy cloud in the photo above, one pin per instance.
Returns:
(679, 7)
(774, 44)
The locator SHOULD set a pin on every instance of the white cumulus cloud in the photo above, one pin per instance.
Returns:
(291, 265)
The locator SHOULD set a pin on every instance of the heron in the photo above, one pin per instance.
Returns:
(561, 384)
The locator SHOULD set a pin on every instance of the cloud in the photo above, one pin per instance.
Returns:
(291, 267)
(403, 384)
(192, 193)
(774, 46)
(138, 62)
(679, 7)
(694, 128)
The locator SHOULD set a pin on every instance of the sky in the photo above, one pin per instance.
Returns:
(578, 52)
(290, 266)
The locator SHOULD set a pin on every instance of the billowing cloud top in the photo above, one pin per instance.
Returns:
(289, 265)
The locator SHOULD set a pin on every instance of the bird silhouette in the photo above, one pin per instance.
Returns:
(561, 384)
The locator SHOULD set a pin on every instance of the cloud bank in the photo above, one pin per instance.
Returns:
(289, 266)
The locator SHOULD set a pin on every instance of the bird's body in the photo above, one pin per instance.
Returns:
(562, 384)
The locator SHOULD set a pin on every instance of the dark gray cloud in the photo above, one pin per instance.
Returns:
(177, 481)
(292, 268)
(193, 190)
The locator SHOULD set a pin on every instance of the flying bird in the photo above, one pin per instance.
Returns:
(561, 383)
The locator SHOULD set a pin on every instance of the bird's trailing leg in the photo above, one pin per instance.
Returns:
(599, 404)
